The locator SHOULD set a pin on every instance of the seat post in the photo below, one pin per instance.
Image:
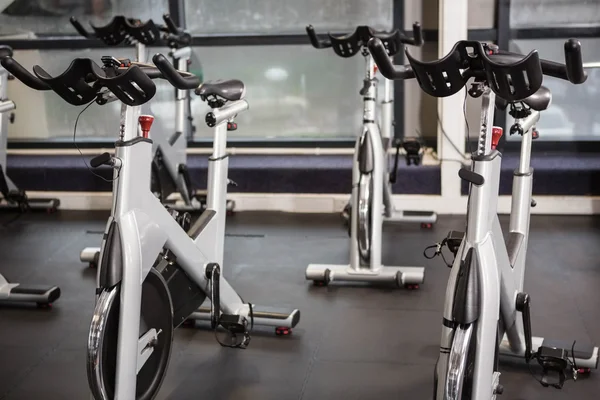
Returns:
(528, 126)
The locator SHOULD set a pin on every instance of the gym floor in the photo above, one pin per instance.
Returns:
(352, 342)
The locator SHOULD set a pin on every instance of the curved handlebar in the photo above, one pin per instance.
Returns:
(572, 70)
(385, 64)
(80, 29)
(170, 24)
(19, 72)
(176, 78)
(417, 39)
(315, 41)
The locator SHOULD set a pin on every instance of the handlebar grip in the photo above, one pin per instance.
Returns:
(80, 29)
(19, 72)
(417, 35)
(314, 40)
(574, 62)
(170, 24)
(173, 76)
(385, 63)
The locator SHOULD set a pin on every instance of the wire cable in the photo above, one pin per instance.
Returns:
(81, 153)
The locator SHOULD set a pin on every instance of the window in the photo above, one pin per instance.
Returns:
(573, 113)
(284, 16)
(52, 16)
(293, 91)
(553, 13)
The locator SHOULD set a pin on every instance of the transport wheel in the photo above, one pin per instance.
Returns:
(156, 312)
(365, 205)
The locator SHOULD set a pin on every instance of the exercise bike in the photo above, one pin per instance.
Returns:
(485, 288)
(42, 296)
(371, 201)
(155, 269)
(169, 169)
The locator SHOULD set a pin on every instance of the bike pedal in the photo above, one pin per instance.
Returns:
(234, 323)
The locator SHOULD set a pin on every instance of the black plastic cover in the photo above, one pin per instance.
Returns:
(81, 82)
(513, 81)
(349, 45)
(112, 34)
(465, 308)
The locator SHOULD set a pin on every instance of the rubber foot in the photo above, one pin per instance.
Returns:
(584, 371)
(426, 225)
(283, 331)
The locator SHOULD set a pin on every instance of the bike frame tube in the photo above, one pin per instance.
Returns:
(5, 106)
(498, 281)
(146, 227)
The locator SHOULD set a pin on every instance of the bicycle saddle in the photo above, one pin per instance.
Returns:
(540, 100)
(230, 89)
(5, 51)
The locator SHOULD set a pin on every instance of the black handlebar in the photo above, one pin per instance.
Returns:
(572, 70)
(171, 24)
(350, 44)
(175, 77)
(84, 80)
(315, 41)
(19, 72)
(512, 76)
(120, 29)
(80, 29)
(386, 65)
(417, 39)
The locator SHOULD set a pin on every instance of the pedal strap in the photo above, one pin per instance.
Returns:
(236, 326)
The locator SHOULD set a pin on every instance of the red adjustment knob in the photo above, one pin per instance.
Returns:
(146, 123)
(496, 135)
(375, 69)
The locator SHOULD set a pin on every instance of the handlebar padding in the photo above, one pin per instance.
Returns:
(12, 66)
(173, 76)
(385, 63)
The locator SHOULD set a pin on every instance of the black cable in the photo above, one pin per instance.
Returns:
(79, 150)
(433, 154)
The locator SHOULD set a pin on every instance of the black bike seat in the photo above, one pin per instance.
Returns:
(5, 51)
(231, 89)
(540, 100)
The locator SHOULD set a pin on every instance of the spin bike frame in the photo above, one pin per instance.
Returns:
(146, 227)
(372, 149)
(493, 269)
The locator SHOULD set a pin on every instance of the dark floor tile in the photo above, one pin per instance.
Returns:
(240, 377)
(61, 375)
(367, 381)
(372, 335)
(17, 363)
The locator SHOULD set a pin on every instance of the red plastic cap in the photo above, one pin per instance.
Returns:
(375, 68)
(496, 135)
(146, 123)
